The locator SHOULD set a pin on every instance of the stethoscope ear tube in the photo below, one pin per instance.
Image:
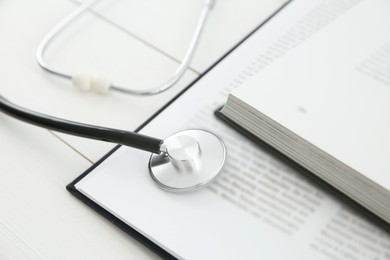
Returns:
(127, 138)
(102, 85)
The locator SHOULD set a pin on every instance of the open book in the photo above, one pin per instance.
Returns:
(258, 207)
(326, 105)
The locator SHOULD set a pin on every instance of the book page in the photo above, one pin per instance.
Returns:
(258, 207)
(334, 91)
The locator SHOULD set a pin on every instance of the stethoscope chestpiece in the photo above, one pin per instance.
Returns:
(189, 160)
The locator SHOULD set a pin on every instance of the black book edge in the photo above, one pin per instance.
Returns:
(368, 215)
(116, 221)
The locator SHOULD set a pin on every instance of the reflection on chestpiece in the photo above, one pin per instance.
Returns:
(184, 153)
(188, 160)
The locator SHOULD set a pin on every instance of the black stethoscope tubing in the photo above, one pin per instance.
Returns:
(184, 161)
(123, 137)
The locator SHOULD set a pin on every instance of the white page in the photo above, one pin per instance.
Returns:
(341, 79)
(281, 216)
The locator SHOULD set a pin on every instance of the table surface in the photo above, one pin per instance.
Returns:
(138, 43)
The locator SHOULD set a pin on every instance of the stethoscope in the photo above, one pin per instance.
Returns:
(103, 85)
(184, 161)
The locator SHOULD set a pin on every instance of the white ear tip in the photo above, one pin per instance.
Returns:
(88, 83)
(82, 81)
(100, 85)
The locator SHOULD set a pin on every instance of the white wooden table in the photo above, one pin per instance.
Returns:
(136, 43)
